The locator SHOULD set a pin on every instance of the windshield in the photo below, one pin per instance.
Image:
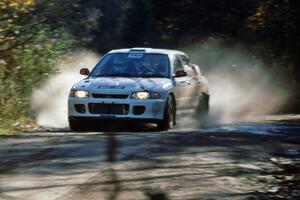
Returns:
(133, 65)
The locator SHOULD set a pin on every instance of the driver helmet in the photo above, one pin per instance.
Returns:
(147, 64)
(120, 64)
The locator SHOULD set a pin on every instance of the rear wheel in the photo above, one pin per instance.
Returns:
(169, 119)
(202, 109)
(205, 103)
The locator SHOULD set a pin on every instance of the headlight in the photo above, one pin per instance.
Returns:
(79, 93)
(145, 95)
(140, 95)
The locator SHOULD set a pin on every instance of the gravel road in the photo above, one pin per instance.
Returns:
(243, 160)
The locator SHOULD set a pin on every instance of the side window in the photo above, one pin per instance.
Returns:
(194, 71)
(177, 63)
(185, 60)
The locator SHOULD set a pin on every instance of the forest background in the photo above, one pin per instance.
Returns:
(35, 34)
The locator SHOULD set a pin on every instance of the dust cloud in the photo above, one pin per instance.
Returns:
(49, 101)
(242, 87)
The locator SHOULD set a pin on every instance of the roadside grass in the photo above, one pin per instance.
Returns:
(10, 126)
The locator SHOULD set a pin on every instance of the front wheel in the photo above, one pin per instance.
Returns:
(169, 119)
(77, 125)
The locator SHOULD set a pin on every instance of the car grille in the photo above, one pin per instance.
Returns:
(104, 108)
(112, 96)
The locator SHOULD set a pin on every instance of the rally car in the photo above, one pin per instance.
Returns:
(138, 84)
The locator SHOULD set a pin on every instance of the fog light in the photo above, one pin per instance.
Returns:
(138, 110)
(80, 108)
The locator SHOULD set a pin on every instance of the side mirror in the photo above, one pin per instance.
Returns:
(180, 73)
(84, 71)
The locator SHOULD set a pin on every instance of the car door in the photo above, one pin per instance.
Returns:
(202, 83)
(194, 89)
(183, 85)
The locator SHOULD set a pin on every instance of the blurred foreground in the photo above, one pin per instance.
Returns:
(247, 160)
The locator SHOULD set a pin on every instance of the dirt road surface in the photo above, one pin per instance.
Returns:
(246, 160)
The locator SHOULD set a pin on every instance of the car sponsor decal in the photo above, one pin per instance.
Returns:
(138, 81)
(111, 87)
(167, 86)
(153, 82)
(135, 55)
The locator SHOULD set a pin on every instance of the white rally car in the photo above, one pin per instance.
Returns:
(138, 84)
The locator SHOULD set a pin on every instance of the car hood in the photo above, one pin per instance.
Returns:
(123, 84)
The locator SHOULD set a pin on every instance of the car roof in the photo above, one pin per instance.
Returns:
(148, 50)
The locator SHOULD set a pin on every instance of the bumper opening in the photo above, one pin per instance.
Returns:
(80, 108)
(138, 110)
(105, 108)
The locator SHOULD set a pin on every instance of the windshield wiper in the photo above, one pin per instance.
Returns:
(98, 75)
(116, 75)
(152, 76)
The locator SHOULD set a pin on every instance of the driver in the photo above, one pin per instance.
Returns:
(147, 66)
(120, 64)
(154, 67)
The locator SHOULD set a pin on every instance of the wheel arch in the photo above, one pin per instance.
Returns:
(174, 99)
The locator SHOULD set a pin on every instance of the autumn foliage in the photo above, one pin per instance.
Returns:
(35, 33)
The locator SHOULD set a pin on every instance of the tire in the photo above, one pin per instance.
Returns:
(77, 125)
(169, 119)
(205, 103)
(202, 109)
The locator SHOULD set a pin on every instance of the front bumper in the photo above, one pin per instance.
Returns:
(154, 108)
